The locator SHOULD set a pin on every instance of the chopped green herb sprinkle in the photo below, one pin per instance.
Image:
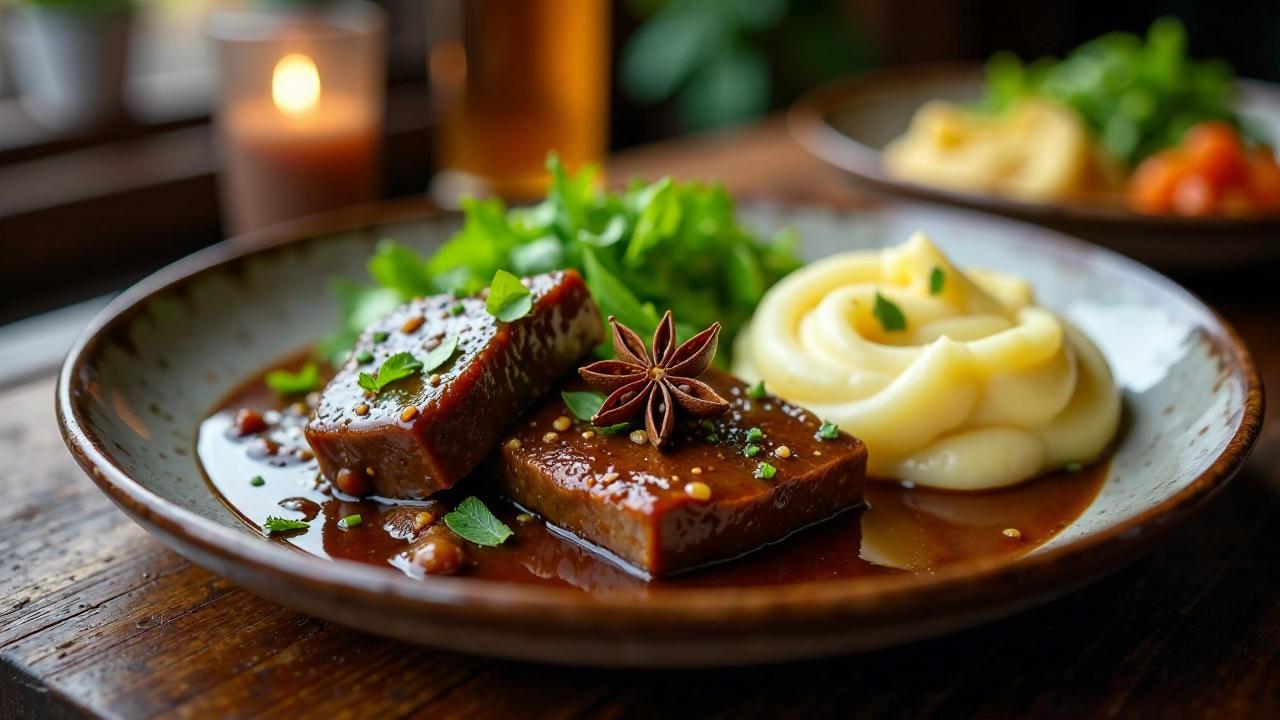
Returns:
(828, 431)
(751, 450)
(757, 391)
(380, 336)
(755, 434)
(350, 521)
(890, 315)
(278, 525)
(1073, 467)
(937, 281)
(456, 309)
(364, 356)
(712, 437)
(257, 481)
(396, 367)
(765, 471)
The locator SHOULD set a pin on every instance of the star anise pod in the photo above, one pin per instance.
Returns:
(656, 381)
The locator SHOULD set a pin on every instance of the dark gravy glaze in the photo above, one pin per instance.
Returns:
(899, 530)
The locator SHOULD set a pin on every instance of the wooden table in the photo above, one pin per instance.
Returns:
(97, 617)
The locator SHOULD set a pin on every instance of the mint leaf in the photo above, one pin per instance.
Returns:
(889, 314)
(509, 300)
(284, 382)
(473, 521)
(278, 525)
(396, 367)
(937, 281)
(440, 355)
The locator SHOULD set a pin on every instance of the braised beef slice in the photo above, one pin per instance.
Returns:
(631, 499)
(498, 370)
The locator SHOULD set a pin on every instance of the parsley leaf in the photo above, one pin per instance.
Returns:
(440, 355)
(474, 522)
(828, 431)
(284, 382)
(889, 314)
(396, 367)
(279, 525)
(757, 391)
(765, 471)
(585, 404)
(509, 300)
(937, 281)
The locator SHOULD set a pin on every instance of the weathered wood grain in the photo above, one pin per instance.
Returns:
(97, 618)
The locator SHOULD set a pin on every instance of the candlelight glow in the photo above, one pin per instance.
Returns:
(295, 84)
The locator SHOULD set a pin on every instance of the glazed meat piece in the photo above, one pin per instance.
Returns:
(701, 499)
(425, 432)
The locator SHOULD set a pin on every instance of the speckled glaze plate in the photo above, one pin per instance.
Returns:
(847, 122)
(147, 370)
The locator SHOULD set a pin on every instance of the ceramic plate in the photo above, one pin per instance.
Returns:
(148, 369)
(846, 123)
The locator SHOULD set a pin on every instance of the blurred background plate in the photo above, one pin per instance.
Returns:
(847, 122)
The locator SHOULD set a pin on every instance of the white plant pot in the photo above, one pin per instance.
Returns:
(70, 67)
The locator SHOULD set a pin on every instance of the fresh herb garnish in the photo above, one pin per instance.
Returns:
(396, 367)
(828, 431)
(755, 434)
(257, 481)
(457, 309)
(751, 450)
(765, 471)
(278, 525)
(474, 522)
(937, 281)
(509, 300)
(440, 355)
(380, 336)
(364, 357)
(663, 245)
(889, 314)
(713, 437)
(350, 521)
(284, 382)
(757, 391)
(585, 404)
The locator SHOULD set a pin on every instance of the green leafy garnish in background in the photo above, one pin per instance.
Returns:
(473, 521)
(284, 382)
(509, 300)
(889, 314)
(396, 367)
(1137, 97)
(657, 246)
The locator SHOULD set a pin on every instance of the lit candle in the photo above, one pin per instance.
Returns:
(301, 111)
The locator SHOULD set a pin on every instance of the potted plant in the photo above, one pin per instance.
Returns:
(69, 59)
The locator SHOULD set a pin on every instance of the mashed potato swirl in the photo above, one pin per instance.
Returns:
(981, 389)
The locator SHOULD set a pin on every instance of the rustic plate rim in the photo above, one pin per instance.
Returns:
(668, 608)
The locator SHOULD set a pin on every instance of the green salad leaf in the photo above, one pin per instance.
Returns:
(1138, 96)
(472, 520)
(652, 247)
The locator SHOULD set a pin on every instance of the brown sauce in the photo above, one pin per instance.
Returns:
(899, 529)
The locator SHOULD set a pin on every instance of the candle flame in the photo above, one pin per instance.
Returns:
(295, 84)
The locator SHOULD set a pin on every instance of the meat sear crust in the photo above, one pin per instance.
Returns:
(643, 505)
